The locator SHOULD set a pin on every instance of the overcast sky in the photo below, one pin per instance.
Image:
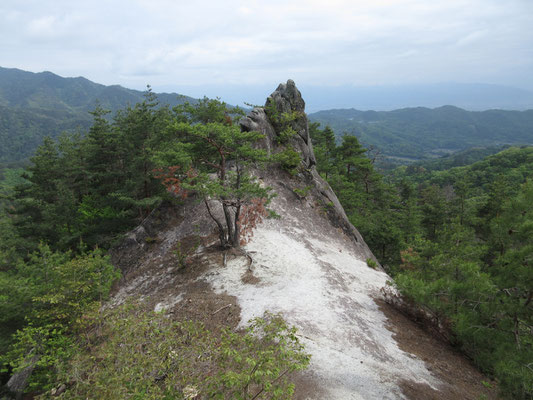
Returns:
(174, 44)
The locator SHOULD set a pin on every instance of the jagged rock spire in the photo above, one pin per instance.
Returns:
(286, 99)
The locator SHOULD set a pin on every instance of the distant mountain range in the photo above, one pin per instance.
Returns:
(35, 105)
(416, 133)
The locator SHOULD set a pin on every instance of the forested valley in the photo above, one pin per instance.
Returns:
(420, 133)
(458, 242)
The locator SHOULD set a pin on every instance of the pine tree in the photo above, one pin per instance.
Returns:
(220, 156)
(139, 129)
(324, 148)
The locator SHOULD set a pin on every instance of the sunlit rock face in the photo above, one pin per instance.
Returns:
(310, 265)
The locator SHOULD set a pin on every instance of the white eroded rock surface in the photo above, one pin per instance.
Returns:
(309, 272)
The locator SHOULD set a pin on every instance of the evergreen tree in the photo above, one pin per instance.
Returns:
(37, 200)
(139, 129)
(324, 148)
(433, 207)
(512, 269)
(220, 156)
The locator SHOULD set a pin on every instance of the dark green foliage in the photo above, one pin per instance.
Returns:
(83, 192)
(371, 204)
(213, 160)
(22, 130)
(286, 124)
(324, 147)
(141, 128)
(459, 159)
(90, 189)
(472, 265)
(41, 301)
(458, 243)
(289, 159)
(433, 210)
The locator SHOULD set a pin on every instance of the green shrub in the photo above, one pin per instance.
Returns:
(273, 214)
(285, 135)
(55, 292)
(302, 193)
(284, 122)
(289, 159)
(128, 353)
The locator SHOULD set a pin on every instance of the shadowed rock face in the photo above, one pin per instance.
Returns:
(309, 265)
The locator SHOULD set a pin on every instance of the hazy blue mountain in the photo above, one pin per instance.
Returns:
(35, 105)
(473, 97)
(417, 133)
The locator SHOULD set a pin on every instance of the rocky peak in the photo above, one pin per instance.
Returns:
(287, 98)
(284, 108)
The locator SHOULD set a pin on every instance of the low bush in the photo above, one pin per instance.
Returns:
(135, 354)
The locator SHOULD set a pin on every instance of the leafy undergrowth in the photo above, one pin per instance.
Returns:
(135, 354)
(41, 301)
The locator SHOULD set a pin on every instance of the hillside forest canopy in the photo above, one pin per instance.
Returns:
(412, 134)
(457, 241)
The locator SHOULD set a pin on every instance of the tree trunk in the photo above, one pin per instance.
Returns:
(221, 231)
(237, 231)
(229, 223)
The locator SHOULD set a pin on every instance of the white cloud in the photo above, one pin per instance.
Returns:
(42, 26)
(212, 42)
(472, 38)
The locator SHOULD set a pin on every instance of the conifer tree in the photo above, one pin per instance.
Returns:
(218, 157)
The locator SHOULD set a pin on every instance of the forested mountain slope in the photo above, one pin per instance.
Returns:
(35, 105)
(416, 133)
(309, 263)
(232, 220)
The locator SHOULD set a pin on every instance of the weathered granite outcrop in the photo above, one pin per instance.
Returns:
(286, 99)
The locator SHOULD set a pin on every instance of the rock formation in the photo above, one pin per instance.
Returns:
(310, 265)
